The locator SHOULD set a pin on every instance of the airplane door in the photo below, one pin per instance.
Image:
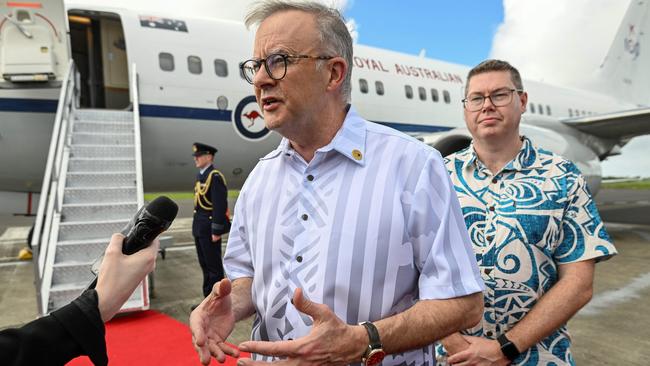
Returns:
(116, 71)
(99, 50)
(34, 48)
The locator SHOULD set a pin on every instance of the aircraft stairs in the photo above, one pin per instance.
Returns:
(91, 188)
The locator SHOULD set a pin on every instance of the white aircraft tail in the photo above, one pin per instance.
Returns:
(625, 72)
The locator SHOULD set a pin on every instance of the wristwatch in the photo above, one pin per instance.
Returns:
(374, 353)
(508, 348)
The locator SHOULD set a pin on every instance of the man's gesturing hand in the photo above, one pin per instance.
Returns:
(211, 323)
(330, 341)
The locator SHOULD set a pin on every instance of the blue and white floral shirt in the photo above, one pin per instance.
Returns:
(534, 215)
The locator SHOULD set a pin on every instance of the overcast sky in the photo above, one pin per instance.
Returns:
(559, 42)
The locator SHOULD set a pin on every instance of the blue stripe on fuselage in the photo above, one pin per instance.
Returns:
(150, 110)
(405, 127)
(161, 111)
(28, 105)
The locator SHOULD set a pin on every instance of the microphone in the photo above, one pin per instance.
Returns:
(149, 222)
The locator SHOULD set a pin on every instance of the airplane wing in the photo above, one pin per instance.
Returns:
(618, 125)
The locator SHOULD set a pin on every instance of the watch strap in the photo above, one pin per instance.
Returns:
(373, 335)
(508, 348)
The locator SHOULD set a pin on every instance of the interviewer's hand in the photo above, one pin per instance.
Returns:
(330, 341)
(212, 322)
(120, 274)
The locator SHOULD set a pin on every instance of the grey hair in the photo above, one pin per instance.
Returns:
(333, 33)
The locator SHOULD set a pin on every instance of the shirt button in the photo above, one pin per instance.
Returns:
(310, 177)
(489, 238)
(299, 259)
(304, 217)
(494, 180)
(488, 270)
(489, 333)
(491, 208)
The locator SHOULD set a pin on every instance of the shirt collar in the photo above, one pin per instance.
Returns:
(349, 141)
(527, 157)
(206, 168)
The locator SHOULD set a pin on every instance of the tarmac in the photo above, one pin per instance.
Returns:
(613, 329)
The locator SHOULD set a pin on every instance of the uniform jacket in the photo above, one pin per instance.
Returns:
(210, 204)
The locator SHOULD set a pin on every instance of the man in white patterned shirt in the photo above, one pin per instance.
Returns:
(345, 222)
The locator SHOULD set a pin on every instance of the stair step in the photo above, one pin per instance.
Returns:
(90, 229)
(80, 250)
(76, 273)
(102, 138)
(63, 294)
(98, 211)
(103, 115)
(99, 194)
(102, 179)
(88, 165)
(102, 127)
(102, 151)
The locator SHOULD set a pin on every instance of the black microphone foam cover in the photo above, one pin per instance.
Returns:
(149, 222)
(164, 208)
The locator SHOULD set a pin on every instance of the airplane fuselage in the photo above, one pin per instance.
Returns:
(191, 90)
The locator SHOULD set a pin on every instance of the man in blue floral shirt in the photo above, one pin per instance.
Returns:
(534, 227)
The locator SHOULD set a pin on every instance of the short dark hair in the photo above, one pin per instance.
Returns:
(495, 65)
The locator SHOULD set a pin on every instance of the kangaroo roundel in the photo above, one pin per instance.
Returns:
(249, 121)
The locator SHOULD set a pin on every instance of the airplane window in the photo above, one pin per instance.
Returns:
(434, 95)
(532, 108)
(409, 91)
(423, 93)
(379, 87)
(540, 109)
(446, 96)
(166, 61)
(194, 64)
(548, 110)
(363, 86)
(221, 67)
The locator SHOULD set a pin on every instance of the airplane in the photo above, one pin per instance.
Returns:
(191, 89)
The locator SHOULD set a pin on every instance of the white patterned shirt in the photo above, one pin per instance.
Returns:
(525, 221)
(369, 227)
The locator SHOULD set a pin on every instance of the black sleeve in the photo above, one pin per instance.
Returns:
(74, 330)
(219, 198)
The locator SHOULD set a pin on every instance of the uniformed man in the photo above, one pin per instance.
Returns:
(211, 218)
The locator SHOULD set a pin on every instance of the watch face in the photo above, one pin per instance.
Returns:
(375, 357)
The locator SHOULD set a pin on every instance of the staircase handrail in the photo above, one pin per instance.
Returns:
(65, 95)
(135, 101)
(49, 201)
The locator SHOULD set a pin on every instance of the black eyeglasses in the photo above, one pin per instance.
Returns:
(499, 98)
(274, 64)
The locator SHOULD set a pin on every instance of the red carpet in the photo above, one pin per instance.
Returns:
(148, 338)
